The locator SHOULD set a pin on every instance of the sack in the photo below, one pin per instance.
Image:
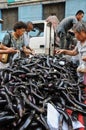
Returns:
(4, 58)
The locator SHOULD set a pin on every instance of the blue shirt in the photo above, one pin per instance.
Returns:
(66, 24)
(15, 43)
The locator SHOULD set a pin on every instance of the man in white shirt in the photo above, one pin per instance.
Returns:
(26, 35)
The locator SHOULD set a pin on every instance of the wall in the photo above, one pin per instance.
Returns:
(40, 11)
(72, 6)
(55, 8)
(30, 12)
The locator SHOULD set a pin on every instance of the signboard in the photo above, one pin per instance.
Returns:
(11, 1)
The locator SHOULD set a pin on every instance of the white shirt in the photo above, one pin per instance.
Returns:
(26, 38)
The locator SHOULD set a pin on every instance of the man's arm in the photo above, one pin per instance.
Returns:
(26, 50)
(5, 49)
(67, 52)
(29, 48)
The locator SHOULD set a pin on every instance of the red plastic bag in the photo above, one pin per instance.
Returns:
(84, 81)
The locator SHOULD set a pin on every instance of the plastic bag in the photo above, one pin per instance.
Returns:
(4, 58)
(53, 119)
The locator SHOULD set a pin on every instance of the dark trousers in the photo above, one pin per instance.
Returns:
(62, 37)
(66, 40)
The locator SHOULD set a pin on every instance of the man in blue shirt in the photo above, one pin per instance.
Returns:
(65, 25)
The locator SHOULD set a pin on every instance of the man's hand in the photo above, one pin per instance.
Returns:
(84, 58)
(60, 51)
(28, 51)
(11, 50)
(32, 52)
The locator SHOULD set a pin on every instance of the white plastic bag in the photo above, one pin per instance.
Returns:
(53, 119)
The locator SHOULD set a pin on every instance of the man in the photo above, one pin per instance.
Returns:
(16, 40)
(65, 25)
(27, 37)
(3, 48)
(80, 49)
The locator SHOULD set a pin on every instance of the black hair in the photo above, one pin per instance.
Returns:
(29, 22)
(19, 25)
(80, 12)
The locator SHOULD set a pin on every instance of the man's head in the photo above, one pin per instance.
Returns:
(79, 15)
(29, 26)
(80, 31)
(19, 28)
